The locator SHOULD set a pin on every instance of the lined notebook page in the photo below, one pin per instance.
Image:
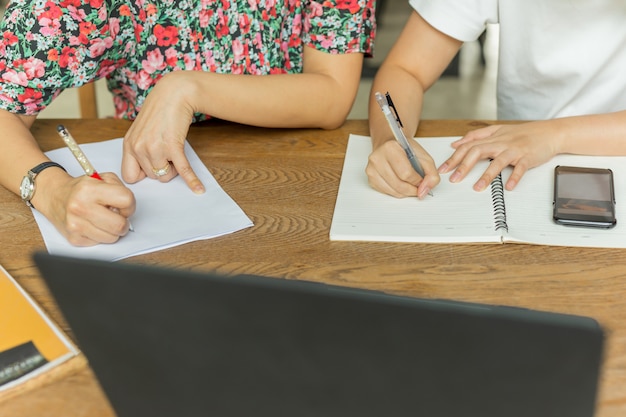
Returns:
(455, 213)
(458, 214)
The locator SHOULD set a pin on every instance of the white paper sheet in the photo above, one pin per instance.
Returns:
(167, 215)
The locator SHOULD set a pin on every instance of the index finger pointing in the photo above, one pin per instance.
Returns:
(186, 172)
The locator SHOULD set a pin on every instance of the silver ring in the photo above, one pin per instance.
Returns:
(162, 171)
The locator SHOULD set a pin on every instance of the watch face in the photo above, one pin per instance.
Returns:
(27, 188)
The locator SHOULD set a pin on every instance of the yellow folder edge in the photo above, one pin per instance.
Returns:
(22, 320)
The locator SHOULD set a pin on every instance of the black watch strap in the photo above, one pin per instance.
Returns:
(44, 165)
(27, 188)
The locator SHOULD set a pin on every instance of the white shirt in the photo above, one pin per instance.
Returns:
(557, 57)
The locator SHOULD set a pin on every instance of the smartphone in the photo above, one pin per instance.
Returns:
(584, 197)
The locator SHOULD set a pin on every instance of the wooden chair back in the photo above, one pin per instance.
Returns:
(87, 101)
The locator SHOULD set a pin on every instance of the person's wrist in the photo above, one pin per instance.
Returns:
(379, 140)
(182, 88)
(29, 185)
(49, 187)
(558, 135)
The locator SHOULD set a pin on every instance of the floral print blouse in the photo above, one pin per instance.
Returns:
(50, 45)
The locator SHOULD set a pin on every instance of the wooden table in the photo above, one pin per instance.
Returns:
(286, 181)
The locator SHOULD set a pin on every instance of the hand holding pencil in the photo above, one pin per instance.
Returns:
(77, 152)
(91, 201)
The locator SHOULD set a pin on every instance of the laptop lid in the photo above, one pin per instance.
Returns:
(166, 342)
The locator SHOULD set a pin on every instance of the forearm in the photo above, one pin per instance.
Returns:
(407, 94)
(601, 134)
(20, 151)
(321, 97)
(413, 65)
(286, 100)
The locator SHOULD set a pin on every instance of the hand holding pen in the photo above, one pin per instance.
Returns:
(393, 120)
(83, 161)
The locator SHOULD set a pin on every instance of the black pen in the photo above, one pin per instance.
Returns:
(386, 104)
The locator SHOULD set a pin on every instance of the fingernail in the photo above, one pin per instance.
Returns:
(424, 192)
(443, 168)
(510, 184)
(455, 176)
(198, 188)
(480, 185)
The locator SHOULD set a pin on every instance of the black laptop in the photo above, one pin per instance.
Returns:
(174, 343)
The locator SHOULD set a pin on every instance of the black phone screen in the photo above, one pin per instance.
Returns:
(584, 196)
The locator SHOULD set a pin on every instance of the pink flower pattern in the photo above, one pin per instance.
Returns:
(49, 45)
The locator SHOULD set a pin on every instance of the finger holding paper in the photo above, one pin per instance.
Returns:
(154, 144)
(522, 146)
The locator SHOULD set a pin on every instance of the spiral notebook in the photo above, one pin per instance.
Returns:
(458, 214)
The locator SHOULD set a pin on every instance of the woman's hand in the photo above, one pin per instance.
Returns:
(88, 211)
(522, 146)
(154, 144)
(389, 171)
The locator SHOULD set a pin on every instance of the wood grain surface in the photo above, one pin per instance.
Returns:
(286, 180)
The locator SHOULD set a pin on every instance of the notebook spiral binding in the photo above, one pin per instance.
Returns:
(497, 197)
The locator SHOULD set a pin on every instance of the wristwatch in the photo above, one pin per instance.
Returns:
(27, 188)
